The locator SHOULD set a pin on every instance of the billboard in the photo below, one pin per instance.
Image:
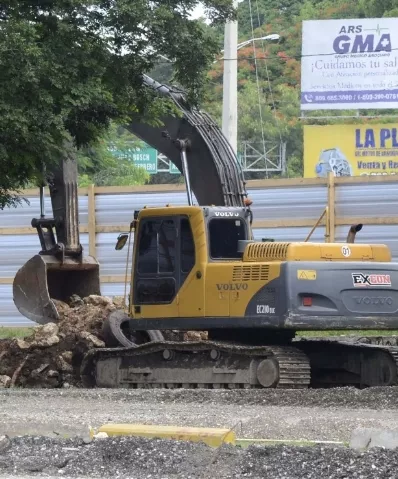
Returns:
(349, 64)
(350, 150)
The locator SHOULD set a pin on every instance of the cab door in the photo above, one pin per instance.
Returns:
(157, 271)
(191, 294)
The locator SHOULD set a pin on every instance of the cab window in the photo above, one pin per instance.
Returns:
(224, 235)
(157, 247)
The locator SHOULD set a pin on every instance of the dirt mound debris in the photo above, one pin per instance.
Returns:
(52, 355)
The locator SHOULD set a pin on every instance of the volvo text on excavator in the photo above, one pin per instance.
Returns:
(199, 267)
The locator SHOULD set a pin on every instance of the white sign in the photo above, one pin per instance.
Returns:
(349, 64)
(345, 251)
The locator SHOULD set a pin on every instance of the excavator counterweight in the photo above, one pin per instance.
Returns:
(60, 270)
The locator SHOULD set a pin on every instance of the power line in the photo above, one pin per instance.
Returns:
(257, 81)
(293, 57)
(269, 80)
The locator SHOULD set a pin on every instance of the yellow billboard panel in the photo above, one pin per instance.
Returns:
(350, 150)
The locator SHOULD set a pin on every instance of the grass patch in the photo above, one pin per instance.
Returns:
(359, 332)
(10, 333)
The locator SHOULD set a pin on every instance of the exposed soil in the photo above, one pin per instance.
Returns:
(52, 355)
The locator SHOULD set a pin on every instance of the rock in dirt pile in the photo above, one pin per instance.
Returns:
(52, 355)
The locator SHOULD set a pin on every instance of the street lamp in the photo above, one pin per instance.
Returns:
(230, 81)
(273, 36)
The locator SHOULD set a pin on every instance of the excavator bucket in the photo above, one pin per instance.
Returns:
(60, 270)
(45, 278)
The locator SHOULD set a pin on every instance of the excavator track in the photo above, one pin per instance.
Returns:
(219, 364)
(342, 362)
(204, 364)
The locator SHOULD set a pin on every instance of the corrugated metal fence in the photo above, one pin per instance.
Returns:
(283, 209)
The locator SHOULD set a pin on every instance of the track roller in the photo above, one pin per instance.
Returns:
(204, 364)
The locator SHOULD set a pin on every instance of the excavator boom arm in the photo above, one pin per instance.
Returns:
(214, 172)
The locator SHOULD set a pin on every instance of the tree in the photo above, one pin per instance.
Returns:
(70, 67)
(99, 165)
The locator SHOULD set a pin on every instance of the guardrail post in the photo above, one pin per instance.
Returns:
(92, 249)
(331, 208)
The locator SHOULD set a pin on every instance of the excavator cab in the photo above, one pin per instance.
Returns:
(60, 270)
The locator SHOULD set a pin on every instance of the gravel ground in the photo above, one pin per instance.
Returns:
(272, 414)
(143, 458)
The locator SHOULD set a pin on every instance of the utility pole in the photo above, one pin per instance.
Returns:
(230, 83)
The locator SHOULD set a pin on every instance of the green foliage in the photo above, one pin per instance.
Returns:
(123, 174)
(98, 155)
(69, 68)
(379, 8)
(99, 166)
(166, 178)
(85, 180)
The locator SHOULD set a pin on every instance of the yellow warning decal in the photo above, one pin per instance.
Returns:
(309, 274)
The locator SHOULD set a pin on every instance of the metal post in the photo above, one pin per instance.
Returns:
(185, 171)
(42, 209)
(283, 158)
(331, 207)
(230, 83)
(42, 184)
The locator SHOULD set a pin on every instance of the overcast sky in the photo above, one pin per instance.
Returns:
(198, 11)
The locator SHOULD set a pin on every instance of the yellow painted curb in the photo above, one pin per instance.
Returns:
(211, 436)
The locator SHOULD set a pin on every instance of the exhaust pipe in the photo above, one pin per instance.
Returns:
(353, 232)
(59, 271)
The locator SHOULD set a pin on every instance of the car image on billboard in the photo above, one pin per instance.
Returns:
(332, 161)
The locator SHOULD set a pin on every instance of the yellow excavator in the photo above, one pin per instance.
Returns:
(199, 267)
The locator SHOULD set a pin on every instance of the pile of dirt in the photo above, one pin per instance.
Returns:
(52, 355)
